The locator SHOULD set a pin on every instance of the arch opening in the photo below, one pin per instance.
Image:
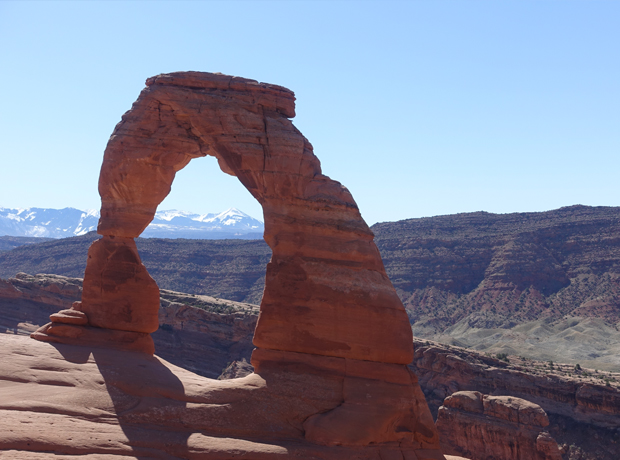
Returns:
(205, 204)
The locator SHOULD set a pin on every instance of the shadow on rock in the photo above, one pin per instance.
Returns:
(147, 398)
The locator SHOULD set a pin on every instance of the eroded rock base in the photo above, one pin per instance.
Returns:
(120, 302)
(71, 334)
(359, 402)
(72, 327)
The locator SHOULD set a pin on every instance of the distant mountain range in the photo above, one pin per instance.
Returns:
(63, 223)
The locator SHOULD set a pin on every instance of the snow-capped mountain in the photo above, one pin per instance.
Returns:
(62, 223)
(231, 223)
(50, 223)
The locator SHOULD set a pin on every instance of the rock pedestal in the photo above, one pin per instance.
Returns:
(328, 310)
(118, 292)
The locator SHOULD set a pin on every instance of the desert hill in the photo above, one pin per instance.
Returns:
(525, 265)
(11, 242)
(542, 285)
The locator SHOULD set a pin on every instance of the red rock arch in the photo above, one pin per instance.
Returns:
(331, 326)
(326, 289)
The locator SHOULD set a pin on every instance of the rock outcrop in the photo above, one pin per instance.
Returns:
(584, 411)
(445, 370)
(51, 290)
(330, 322)
(26, 301)
(466, 277)
(484, 427)
(199, 333)
(205, 335)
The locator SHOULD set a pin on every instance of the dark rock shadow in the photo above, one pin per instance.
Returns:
(145, 394)
(73, 354)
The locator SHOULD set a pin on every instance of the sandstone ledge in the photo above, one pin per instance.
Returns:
(495, 427)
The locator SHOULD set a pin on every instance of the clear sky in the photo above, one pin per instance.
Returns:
(420, 108)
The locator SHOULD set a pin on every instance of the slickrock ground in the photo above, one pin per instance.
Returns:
(499, 427)
(68, 400)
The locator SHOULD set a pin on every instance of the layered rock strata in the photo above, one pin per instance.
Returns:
(486, 427)
(329, 313)
(583, 410)
(444, 370)
(26, 301)
(498, 282)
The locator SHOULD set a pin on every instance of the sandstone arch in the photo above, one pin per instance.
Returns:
(329, 311)
(326, 290)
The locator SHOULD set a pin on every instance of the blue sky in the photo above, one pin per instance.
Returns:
(420, 108)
